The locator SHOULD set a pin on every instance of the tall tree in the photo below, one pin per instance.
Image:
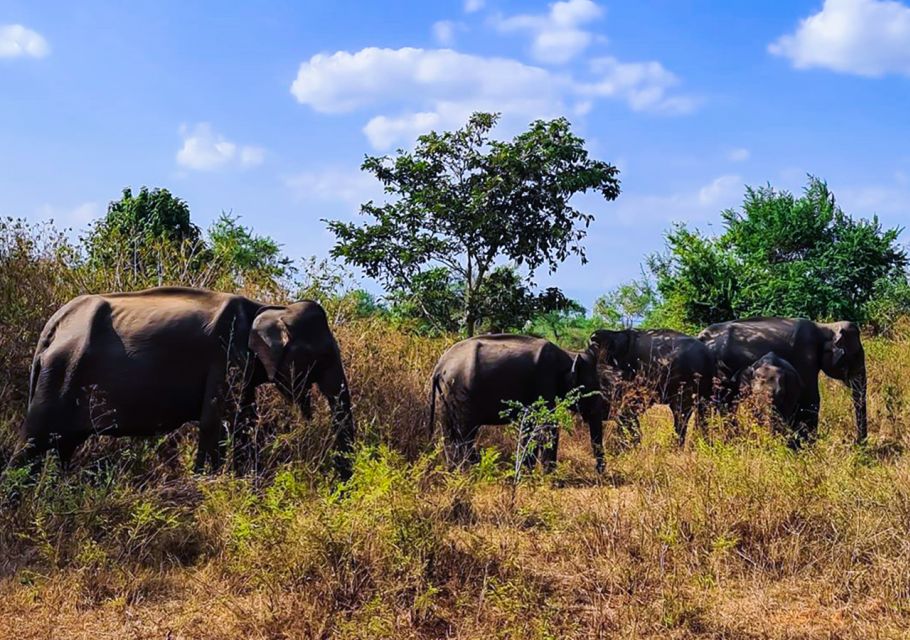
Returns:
(462, 201)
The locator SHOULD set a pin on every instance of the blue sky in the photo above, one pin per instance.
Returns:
(267, 109)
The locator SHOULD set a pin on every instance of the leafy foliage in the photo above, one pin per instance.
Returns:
(461, 201)
(246, 257)
(779, 255)
(626, 305)
(505, 302)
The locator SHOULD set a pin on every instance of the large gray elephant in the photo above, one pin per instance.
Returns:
(658, 366)
(474, 379)
(834, 348)
(774, 387)
(145, 363)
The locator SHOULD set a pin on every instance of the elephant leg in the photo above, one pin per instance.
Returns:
(807, 416)
(450, 434)
(211, 429)
(681, 424)
(245, 444)
(529, 449)
(459, 439)
(471, 454)
(682, 411)
(549, 448)
(540, 446)
(42, 431)
(66, 446)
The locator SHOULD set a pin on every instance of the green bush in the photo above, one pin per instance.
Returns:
(779, 255)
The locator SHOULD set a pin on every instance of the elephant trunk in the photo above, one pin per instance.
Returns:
(857, 384)
(334, 386)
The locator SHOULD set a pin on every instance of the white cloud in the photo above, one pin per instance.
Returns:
(444, 32)
(720, 190)
(17, 41)
(344, 81)
(740, 154)
(334, 185)
(557, 36)
(204, 150)
(643, 85)
(863, 37)
(383, 131)
(695, 205)
(414, 90)
(471, 6)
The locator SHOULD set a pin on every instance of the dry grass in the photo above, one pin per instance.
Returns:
(732, 538)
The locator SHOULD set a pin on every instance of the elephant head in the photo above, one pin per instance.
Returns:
(583, 375)
(843, 358)
(616, 349)
(297, 349)
(773, 381)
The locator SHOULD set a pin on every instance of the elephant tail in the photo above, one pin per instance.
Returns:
(434, 388)
(33, 377)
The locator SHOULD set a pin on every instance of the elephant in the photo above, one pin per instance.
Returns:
(835, 348)
(474, 379)
(145, 363)
(773, 384)
(657, 366)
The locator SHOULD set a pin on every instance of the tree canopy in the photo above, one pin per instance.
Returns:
(149, 238)
(780, 254)
(461, 201)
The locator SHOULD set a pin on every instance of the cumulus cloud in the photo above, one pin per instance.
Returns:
(863, 37)
(643, 85)
(472, 6)
(17, 41)
(343, 81)
(557, 36)
(204, 150)
(415, 90)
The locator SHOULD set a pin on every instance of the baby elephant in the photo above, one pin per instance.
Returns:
(775, 388)
(656, 367)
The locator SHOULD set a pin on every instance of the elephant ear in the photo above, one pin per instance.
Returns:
(743, 378)
(269, 337)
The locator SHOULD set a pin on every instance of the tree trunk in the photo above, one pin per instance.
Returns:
(469, 323)
(470, 319)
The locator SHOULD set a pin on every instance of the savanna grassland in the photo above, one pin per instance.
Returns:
(734, 536)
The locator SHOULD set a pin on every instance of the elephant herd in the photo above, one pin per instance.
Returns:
(776, 361)
(145, 363)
